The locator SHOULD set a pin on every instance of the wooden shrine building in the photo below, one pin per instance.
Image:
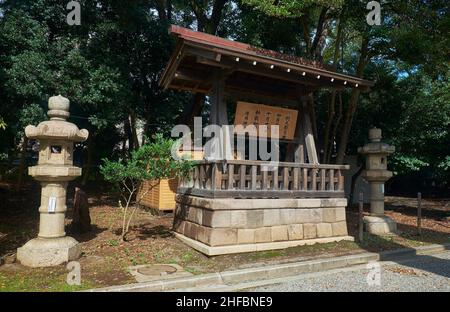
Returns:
(237, 205)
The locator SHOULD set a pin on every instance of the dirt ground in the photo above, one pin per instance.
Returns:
(105, 258)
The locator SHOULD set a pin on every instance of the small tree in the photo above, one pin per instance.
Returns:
(152, 161)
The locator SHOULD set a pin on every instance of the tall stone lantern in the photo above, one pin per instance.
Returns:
(54, 170)
(376, 174)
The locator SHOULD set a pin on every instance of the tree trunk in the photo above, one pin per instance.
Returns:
(88, 164)
(352, 104)
(327, 139)
(133, 125)
(353, 184)
(128, 134)
(210, 26)
(336, 126)
(326, 136)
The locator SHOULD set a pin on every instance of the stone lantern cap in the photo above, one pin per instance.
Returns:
(57, 127)
(375, 146)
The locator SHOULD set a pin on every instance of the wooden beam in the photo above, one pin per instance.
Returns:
(174, 62)
(339, 78)
(296, 149)
(245, 67)
(264, 70)
(264, 193)
(257, 97)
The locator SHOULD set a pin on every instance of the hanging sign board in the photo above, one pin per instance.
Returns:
(259, 115)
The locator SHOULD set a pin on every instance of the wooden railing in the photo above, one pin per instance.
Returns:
(259, 179)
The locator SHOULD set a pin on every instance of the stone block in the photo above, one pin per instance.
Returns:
(308, 215)
(271, 217)
(238, 218)
(333, 202)
(255, 218)
(204, 234)
(192, 214)
(333, 214)
(329, 215)
(340, 214)
(216, 218)
(379, 224)
(295, 231)
(190, 230)
(44, 252)
(339, 228)
(309, 230)
(287, 215)
(198, 216)
(220, 237)
(246, 236)
(187, 228)
(279, 233)
(263, 235)
(324, 230)
(178, 226)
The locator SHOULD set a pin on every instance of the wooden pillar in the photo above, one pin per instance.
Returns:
(219, 115)
(308, 133)
(296, 150)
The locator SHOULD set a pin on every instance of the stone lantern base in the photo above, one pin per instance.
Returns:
(379, 225)
(44, 252)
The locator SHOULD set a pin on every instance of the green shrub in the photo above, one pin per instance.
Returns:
(151, 161)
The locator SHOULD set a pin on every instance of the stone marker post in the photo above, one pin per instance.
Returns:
(376, 174)
(54, 170)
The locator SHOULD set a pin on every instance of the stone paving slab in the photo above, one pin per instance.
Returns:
(214, 281)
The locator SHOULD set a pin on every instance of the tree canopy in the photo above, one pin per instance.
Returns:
(109, 67)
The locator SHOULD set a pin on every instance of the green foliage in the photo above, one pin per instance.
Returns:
(109, 68)
(2, 124)
(404, 164)
(151, 161)
(288, 8)
(31, 114)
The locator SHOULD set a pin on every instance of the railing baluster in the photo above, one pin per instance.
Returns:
(230, 171)
(264, 177)
(314, 179)
(341, 185)
(275, 178)
(196, 178)
(217, 176)
(295, 178)
(305, 179)
(331, 187)
(242, 176)
(286, 178)
(208, 172)
(202, 176)
(323, 179)
(253, 181)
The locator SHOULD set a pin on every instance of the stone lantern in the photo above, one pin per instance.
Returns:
(376, 174)
(54, 170)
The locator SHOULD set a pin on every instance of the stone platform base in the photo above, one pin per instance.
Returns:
(231, 249)
(45, 252)
(379, 225)
(226, 224)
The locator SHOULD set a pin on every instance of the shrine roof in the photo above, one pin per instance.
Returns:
(199, 57)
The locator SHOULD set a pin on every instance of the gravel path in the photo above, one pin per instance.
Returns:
(424, 273)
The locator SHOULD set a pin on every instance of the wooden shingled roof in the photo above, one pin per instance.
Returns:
(199, 58)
